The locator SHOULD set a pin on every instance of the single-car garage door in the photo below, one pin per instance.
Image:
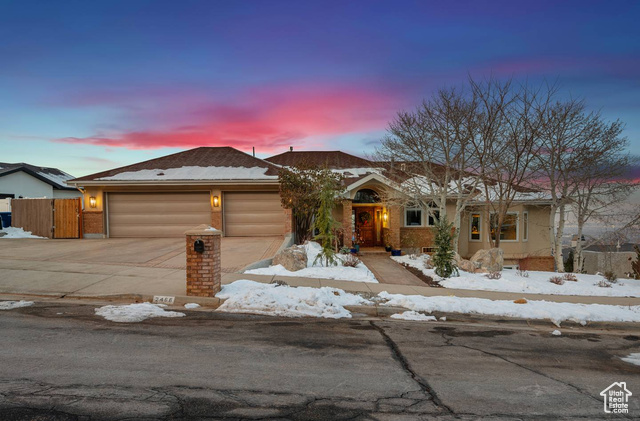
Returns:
(251, 214)
(156, 214)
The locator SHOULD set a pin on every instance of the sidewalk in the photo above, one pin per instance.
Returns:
(84, 279)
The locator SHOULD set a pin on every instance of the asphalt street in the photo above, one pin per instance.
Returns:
(58, 361)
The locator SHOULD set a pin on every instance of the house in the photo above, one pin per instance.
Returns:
(239, 194)
(29, 181)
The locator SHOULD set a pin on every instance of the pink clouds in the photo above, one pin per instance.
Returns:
(269, 119)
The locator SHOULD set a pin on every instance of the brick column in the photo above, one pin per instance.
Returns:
(288, 221)
(203, 269)
(346, 222)
(395, 222)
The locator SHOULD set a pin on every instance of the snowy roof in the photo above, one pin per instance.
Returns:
(199, 164)
(52, 176)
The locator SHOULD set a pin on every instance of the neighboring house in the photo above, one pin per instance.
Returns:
(238, 193)
(28, 181)
(616, 258)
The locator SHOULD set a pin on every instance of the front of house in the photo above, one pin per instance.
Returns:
(239, 194)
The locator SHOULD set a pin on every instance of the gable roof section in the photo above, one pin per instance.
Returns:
(199, 164)
(335, 160)
(54, 177)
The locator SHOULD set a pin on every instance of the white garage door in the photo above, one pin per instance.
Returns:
(156, 214)
(251, 214)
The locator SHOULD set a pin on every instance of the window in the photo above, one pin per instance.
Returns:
(366, 196)
(509, 230)
(413, 217)
(475, 226)
(433, 218)
(525, 226)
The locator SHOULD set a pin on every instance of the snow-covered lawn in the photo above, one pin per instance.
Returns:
(359, 273)
(556, 312)
(13, 232)
(10, 305)
(135, 312)
(271, 299)
(535, 283)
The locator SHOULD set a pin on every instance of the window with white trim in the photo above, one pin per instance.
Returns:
(475, 227)
(509, 229)
(413, 217)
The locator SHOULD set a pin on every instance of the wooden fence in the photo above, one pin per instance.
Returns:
(52, 218)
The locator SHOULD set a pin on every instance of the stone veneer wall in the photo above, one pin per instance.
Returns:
(346, 222)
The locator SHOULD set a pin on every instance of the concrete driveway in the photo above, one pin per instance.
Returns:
(114, 266)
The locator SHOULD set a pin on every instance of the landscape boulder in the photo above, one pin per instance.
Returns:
(466, 265)
(292, 258)
(490, 260)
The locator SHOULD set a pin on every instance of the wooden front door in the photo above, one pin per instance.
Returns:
(365, 226)
(67, 218)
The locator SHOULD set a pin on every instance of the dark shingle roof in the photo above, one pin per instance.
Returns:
(54, 177)
(336, 160)
(224, 156)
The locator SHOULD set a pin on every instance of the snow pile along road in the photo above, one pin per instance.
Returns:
(536, 282)
(632, 359)
(13, 232)
(10, 305)
(135, 312)
(413, 315)
(556, 312)
(271, 299)
(360, 273)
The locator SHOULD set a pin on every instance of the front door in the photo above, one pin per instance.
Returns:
(365, 226)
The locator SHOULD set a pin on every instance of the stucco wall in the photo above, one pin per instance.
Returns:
(22, 184)
(619, 263)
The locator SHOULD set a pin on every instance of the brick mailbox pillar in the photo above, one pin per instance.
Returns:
(203, 261)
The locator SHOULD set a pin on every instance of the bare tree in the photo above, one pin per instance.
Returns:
(510, 122)
(430, 149)
(566, 137)
(603, 183)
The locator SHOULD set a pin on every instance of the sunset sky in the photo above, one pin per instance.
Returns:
(90, 85)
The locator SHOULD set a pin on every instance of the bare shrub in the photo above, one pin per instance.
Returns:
(611, 276)
(494, 275)
(603, 284)
(522, 273)
(571, 277)
(351, 261)
(556, 280)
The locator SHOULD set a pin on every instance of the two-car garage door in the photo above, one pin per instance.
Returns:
(246, 214)
(156, 214)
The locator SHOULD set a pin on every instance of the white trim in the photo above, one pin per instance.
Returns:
(517, 240)
(479, 240)
(525, 226)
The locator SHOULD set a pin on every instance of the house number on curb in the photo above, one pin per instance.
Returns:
(162, 299)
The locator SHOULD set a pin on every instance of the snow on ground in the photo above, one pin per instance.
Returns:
(632, 359)
(10, 305)
(271, 299)
(135, 312)
(556, 312)
(13, 232)
(556, 333)
(359, 273)
(413, 315)
(535, 283)
(191, 306)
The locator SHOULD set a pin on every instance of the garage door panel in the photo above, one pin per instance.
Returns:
(156, 214)
(249, 214)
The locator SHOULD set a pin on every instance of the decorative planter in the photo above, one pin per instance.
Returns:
(396, 252)
(357, 247)
(388, 248)
(354, 251)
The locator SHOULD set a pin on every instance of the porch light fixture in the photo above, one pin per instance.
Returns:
(216, 201)
(93, 202)
(384, 216)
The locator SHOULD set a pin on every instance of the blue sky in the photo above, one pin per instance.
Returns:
(88, 86)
